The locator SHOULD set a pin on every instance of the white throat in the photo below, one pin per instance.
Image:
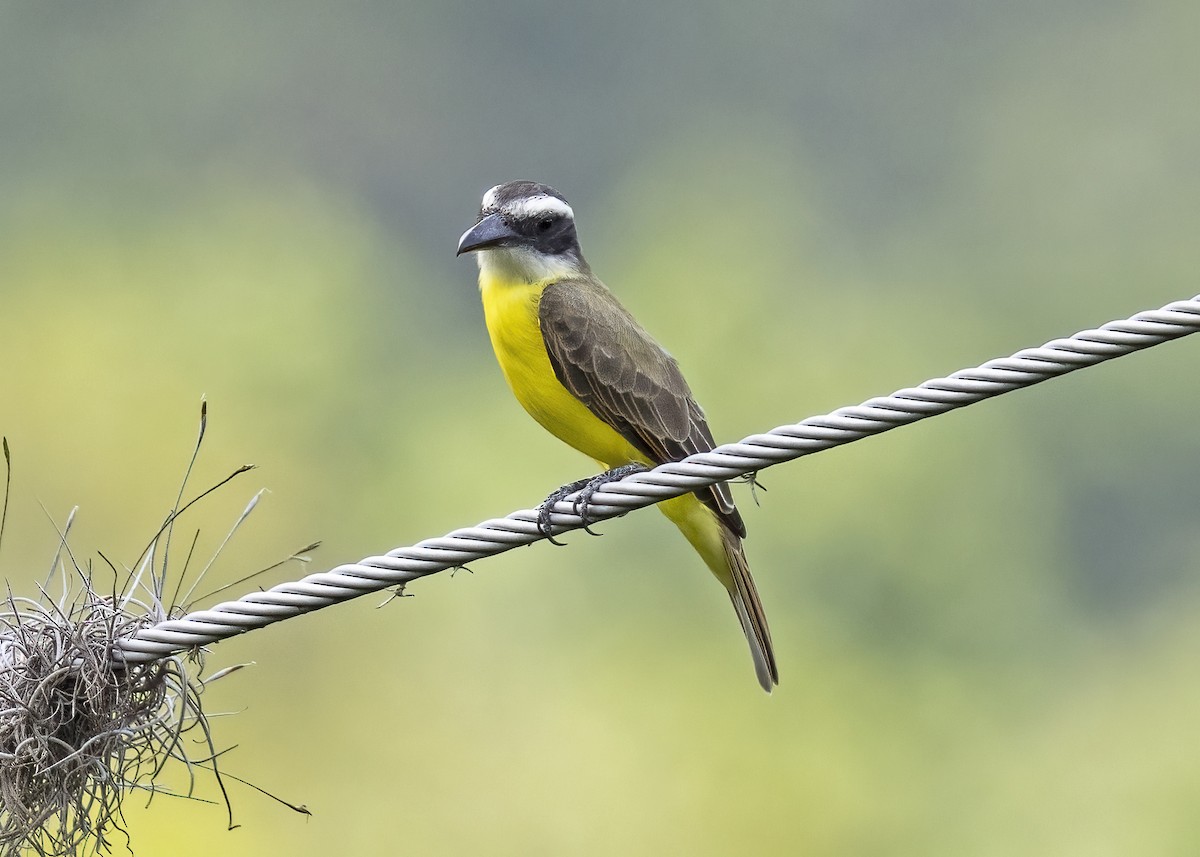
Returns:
(525, 265)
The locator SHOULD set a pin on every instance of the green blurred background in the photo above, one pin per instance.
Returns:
(988, 624)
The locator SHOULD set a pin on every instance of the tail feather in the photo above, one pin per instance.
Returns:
(750, 612)
(721, 548)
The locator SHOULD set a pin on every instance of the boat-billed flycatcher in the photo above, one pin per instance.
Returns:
(582, 367)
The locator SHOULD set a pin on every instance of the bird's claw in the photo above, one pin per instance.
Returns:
(587, 488)
(546, 510)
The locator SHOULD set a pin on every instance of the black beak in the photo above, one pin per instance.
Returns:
(489, 232)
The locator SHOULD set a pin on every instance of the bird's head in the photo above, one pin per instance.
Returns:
(525, 231)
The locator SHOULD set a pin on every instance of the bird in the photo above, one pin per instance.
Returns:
(583, 368)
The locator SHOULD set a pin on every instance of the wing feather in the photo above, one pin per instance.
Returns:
(608, 362)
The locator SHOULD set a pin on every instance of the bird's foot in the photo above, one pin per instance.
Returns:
(587, 489)
(596, 483)
(546, 509)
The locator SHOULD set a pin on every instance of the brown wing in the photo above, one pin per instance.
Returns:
(608, 362)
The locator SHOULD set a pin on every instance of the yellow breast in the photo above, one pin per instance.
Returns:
(511, 312)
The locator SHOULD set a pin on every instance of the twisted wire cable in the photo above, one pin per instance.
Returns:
(845, 425)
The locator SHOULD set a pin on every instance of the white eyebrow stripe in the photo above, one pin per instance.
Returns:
(489, 199)
(537, 205)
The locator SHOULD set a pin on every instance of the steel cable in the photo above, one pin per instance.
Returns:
(757, 452)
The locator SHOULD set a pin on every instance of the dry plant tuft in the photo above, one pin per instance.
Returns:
(76, 730)
(79, 728)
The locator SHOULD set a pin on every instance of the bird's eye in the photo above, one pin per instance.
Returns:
(544, 224)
